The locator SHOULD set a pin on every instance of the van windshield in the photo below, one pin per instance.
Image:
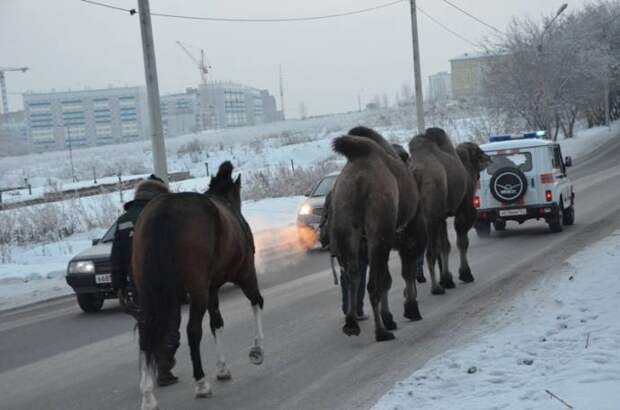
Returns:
(324, 186)
(521, 160)
(109, 235)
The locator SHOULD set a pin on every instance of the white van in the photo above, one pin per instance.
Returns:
(526, 180)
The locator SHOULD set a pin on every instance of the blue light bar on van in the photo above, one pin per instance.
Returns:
(527, 135)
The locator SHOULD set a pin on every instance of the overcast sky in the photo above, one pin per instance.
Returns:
(69, 44)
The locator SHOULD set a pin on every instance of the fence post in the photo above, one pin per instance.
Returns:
(120, 187)
(207, 166)
(94, 175)
(292, 165)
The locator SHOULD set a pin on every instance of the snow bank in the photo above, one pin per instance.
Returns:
(588, 140)
(561, 338)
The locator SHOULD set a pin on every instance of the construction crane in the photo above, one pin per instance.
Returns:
(5, 99)
(204, 70)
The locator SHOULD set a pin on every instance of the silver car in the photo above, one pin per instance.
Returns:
(310, 212)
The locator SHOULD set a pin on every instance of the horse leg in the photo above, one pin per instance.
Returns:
(379, 256)
(216, 322)
(445, 279)
(462, 224)
(250, 289)
(386, 315)
(197, 309)
(149, 402)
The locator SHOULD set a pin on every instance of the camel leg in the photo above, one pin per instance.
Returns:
(462, 224)
(149, 402)
(386, 314)
(432, 256)
(250, 290)
(197, 309)
(445, 280)
(408, 262)
(222, 371)
(379, 256)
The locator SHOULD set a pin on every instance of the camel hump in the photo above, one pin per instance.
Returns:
(352, 147)
(440, 137)
(373, 135)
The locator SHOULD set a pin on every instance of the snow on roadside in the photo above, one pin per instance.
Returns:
(587, 140)
(37, 273)
(562, 336)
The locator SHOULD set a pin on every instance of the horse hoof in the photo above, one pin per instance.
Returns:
(203, 389)
(447, 283)
(351, 330)
(465, 275)
(256, 355)
(438, 290)
(384, 335)
(412, 312)
(222, 372)
(388, 321)
(420, 279)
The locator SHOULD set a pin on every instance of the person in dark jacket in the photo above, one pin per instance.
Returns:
(344, 279)
(122, 283)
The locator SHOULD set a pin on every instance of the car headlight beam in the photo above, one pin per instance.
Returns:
(82, 267)
(305, 210)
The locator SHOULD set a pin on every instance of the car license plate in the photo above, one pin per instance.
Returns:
(103, 278)
(512, 212)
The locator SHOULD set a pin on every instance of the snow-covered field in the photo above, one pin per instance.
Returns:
(558, 341)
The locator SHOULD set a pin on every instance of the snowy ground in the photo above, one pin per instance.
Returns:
(560, 337)
(38, 273)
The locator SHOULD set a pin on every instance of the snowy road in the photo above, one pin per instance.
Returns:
(54, 357)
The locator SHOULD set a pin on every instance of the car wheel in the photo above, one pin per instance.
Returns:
(568, 216)
(90, 302)
(483, 229)
(555, 224)
(499, 225)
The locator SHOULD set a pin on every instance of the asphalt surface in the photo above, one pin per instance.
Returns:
(52, 356)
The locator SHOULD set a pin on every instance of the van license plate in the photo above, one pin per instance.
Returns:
(103, 278)
(513, 212)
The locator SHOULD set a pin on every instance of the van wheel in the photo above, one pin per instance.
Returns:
(90, 302)
(483, 229)
(499, 225)
(555, 224)
(568, 216)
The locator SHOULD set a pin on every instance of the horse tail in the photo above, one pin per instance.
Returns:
(158, 290)
(352, 147)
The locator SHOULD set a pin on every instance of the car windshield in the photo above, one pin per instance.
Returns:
(521, 160)
(324, 186)
(109, 235)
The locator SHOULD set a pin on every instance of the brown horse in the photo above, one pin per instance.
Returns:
(194, 243)
(447, 184)
(375, 198)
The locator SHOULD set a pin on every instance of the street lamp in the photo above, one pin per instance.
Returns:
(557, 14)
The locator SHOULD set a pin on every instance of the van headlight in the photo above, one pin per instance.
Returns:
(305, 210)
(81, 267)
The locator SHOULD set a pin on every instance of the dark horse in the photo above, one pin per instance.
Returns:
(194, 243)
(447, 179)
(375, 198)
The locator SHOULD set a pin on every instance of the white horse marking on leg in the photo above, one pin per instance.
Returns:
(222, 372)
(203, 388)
(256, 352)
(149, 402)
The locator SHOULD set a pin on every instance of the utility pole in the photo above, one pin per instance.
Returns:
(606, 105)
(281, 93)
(419, 101)
(152, 92)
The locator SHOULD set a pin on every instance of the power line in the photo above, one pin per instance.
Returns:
(439, 23)
(251, 20)
(474, 17)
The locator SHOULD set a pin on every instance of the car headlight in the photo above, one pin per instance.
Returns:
(82, 267)
(305, 210)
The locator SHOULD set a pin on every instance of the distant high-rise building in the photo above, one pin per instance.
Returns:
(468, 71)
(440, 86)
(13, 133)
(234, 105)
(181, 113)
(84, 118)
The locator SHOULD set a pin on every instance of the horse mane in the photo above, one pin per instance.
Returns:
(221, 183)
(373, 135)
